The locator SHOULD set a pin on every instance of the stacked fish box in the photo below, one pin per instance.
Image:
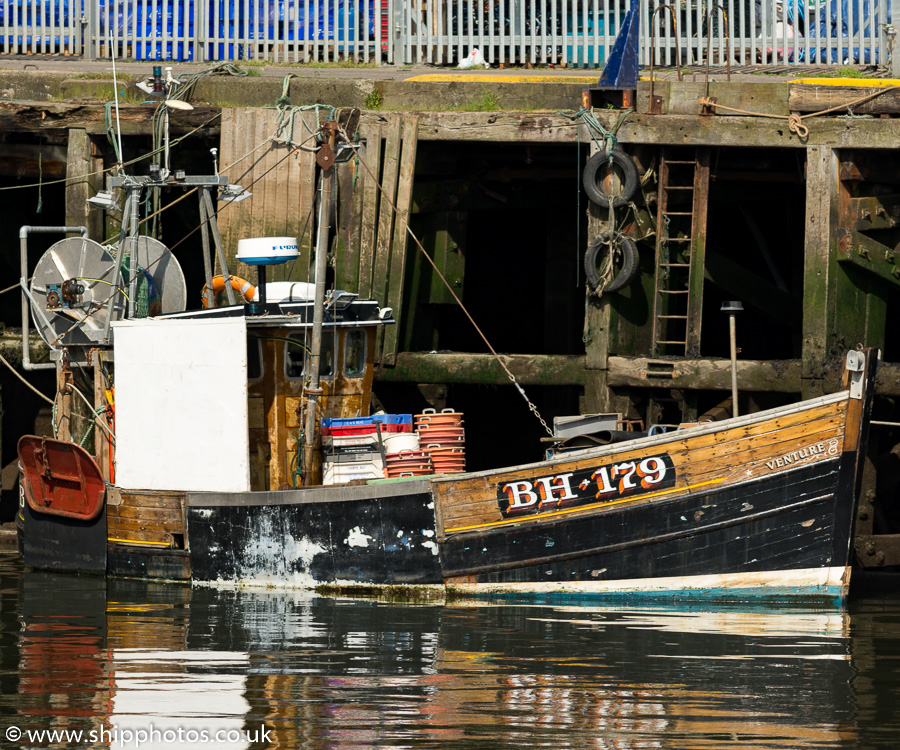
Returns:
(403, 455)
(444, 439)
(353, 448)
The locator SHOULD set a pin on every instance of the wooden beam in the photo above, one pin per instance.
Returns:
(875, 212)
(877, 550)
(782, 376)
(483, 369)
(497, 127)
(401, 235)
(382, 265)
(83, 181)
(133, 119)
(861, 251)
(369, 173)
(819, 269)
(698, 252)
(806, 97)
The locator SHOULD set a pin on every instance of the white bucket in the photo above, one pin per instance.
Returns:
(401, 441)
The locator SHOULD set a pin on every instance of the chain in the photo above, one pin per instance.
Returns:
(534, 409)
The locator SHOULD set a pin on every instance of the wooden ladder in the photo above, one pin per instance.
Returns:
(680, 250)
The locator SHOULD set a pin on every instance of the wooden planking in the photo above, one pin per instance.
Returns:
(400, 235)
(382, 262)
(370, 174)
(144, 517)
(346, 239)
(282, 184)
(693, 465)
(307, 183)
(697, 459)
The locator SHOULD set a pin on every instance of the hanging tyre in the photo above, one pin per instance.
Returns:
(611, 265)
(611, 178)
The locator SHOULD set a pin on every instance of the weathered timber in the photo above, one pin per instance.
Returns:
(782, 376)
(401, 235)
(84, 179)
(279, 179)
(820, 270)
(869, 255)
(133, 119)
(698, 251)
(683, 98)
(805, 97)
(874, 212)
(306, 185)
(33, 161)
(678, 130)
(370, 170)
(878, 550)
(382, 263)
(483, 369)
(499, 127)
(346, 236)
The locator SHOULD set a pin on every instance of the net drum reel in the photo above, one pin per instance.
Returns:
(73, 293)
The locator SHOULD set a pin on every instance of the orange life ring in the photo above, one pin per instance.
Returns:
(241, 286)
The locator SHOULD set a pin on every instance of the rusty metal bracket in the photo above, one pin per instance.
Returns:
(707, 106)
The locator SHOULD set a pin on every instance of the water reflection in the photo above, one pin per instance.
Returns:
(267, 669)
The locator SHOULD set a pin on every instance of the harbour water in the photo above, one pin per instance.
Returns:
(131, 664)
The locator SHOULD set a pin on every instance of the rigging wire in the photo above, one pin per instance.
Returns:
(446, 283)
(116, 290)
(82, 177)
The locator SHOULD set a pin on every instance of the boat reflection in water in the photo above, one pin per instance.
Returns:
(295, 670)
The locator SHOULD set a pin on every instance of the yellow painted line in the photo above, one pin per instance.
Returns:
(135, 541)
(493, 78)
(862, 82)
(593, 506)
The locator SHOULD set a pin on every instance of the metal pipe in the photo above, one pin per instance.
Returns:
(315, 357)
(24, 231)
(213, 224)
(117, 277)
(709, 43)
(133, 235)
(653, 42)
(733, 339)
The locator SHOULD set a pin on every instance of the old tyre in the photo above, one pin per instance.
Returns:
(615, 172)
(610, 274)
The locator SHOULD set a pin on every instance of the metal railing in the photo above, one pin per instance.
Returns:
(577, 33)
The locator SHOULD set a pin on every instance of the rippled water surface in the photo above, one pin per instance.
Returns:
(131, 664)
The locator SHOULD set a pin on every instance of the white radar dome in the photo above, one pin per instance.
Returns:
(267, 251)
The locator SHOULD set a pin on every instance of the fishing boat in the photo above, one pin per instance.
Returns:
(759, 506)
(208, 463)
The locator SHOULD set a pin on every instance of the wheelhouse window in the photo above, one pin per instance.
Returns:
(296, 356)
(355, 353)
(254, 359)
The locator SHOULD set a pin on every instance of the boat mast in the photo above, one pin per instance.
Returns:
(325, 159)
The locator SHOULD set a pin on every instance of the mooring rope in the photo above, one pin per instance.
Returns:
(795, 120)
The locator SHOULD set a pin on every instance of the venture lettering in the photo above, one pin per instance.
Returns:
(809, 453)
(574, 488)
